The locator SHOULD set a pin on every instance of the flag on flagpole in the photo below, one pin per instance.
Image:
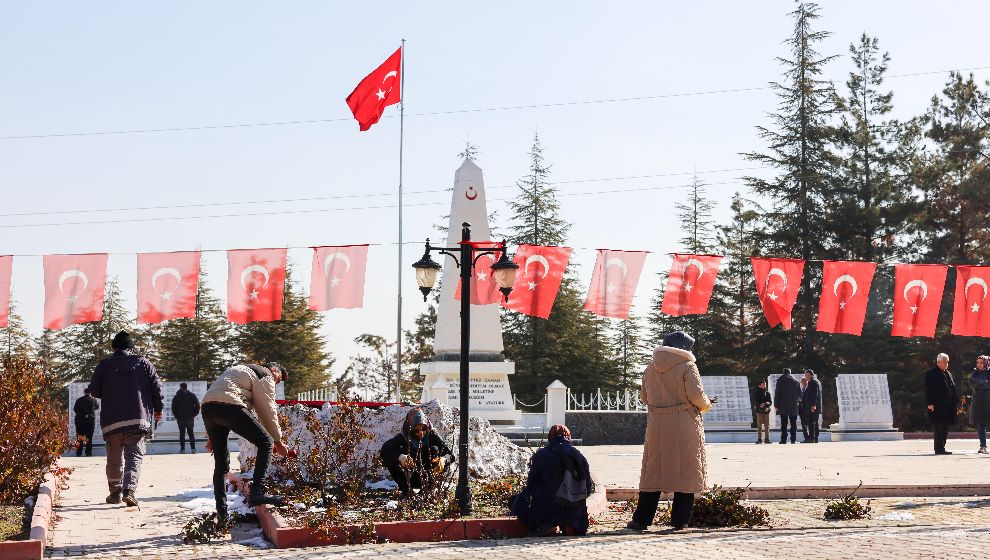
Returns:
(379, 89)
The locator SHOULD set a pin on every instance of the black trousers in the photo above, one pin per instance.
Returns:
(680, 510)
(186, 427)
(940, 431)
(399, 476)
(219, 420)
(812, 427)
(783, 428)
(804, 425)
(86, 429)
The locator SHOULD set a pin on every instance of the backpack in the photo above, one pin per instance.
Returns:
(572, 490)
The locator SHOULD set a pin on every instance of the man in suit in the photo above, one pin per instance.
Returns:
(942, 399)
(811, 402)
(787, 401)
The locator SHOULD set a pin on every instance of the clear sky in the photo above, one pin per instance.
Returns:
(71, 67)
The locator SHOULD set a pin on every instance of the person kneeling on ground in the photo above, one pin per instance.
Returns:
(415, 454)
(541, 505)
(225, 409)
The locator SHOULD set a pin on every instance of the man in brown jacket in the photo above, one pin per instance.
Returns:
(225, 409)
(674, 451)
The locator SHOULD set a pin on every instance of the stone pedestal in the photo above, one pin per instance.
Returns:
(491, 398)
(864, 408)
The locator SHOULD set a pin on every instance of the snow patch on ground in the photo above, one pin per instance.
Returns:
(255, 542)
(200, 501)
(897, 516)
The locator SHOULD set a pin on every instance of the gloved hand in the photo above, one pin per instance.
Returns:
(438, 465)
(406, 462)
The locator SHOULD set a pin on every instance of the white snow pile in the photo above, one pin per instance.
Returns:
(491, 455)
(254, 538)
(200, 501)
(897, 516)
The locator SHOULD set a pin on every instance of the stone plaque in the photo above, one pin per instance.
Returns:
(864, 399)
(733, 406)
(491, 397)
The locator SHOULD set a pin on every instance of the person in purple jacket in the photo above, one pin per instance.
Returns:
(131, 396)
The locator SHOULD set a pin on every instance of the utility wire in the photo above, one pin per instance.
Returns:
(438, 113)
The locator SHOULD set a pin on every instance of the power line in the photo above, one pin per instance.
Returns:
(361, 195)
(438, 113)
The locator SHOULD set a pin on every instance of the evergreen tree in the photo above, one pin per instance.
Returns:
(195, 348)
(372, 372)
(14, 340)
(632, 353)
(800, 150)
(294, 341)
(418, 349)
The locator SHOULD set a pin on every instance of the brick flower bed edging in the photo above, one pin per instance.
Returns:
(34, 547)
(283, 535)
(831, 492)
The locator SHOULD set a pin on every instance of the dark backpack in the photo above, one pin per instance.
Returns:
(572, 487)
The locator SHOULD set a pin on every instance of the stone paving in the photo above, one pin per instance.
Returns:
(940, 528)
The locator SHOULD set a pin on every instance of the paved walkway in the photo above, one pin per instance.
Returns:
(90, 527)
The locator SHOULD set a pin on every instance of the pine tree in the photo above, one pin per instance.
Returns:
(294, 341)
(14, 340)
(800, 151)
(372, 372)
(631, 350)
(195, 348)
(418, 349)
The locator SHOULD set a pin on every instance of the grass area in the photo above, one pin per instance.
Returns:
(12, 522)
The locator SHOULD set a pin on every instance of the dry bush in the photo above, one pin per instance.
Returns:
(33, 427)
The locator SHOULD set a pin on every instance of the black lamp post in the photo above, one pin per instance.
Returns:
(466, 256)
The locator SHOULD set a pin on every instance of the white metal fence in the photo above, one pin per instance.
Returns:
(607, 401)
(321, 394)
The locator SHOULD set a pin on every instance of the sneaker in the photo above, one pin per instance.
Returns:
(114, 497)
(983, 450)
(129, 498)
(635, 526)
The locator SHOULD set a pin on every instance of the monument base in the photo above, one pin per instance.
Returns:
(491, 398)
(865, 432)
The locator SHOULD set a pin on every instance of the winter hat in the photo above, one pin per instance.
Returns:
(679, 339)
(415, 418)
(121, 341)
(559, 430)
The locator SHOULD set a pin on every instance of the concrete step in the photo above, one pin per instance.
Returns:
(535, 442)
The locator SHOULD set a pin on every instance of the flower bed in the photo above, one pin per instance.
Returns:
(33, 547)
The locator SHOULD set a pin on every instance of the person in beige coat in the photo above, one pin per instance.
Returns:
(674, 450)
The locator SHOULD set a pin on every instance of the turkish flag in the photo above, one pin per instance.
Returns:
(845, 293)
(337, 281)
(74, 286)
(255, 282)
(6, 264)
(166, 286)
(690, 284)
(777, 285)
(917, 298)
(541, 270)
(614, 282)
(484, 289)
(376, 91)
(971, 313)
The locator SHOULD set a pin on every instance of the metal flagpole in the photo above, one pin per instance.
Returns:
(398, 323)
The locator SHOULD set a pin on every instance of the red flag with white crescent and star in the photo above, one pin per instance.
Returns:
(541, 270)
(690, 284)
(74, 286)
(777, 285)
(6, 265)
(376, 91)
(845, 293)
(255, 283)
(166, 286)
(484, 289)
(971, 312)
(614, 282)
(917, 298)
(337, 280)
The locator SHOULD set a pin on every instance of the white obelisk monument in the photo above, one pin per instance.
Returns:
(490, 395)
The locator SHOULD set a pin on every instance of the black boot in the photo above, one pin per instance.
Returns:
(259, 498)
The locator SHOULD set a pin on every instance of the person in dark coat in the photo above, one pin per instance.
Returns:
(942, 399)
(535, 506)
(85, 409)
(416, 457)
(811, 401)
(762, 403)
(980, 412)
(185, 407)
(787, 403)
(131, 393)
(802, 411)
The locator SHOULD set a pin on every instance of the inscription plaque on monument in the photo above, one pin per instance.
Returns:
(733, 406)
(864, 401)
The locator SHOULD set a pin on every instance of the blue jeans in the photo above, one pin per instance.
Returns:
(981, 429)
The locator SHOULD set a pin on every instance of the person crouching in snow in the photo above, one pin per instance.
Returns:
(415, 454)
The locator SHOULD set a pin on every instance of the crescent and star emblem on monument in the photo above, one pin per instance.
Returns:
(975, 308)
(258, 269)
(73, 273)
(381, 94)
(166, 271)
(471, 193)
